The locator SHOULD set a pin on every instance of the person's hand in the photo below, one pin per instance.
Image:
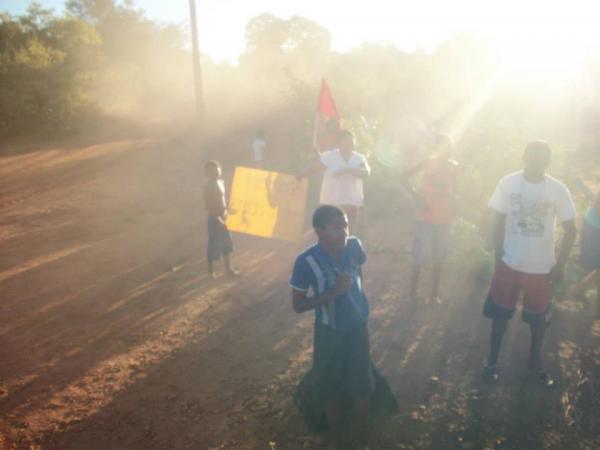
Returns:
(498, 260)
(343, 171)
(269, 181)
(420, 202)
(454, 205)
(557, 273)
(354, 171)
(343, 282)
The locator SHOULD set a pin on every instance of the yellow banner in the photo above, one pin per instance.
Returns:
(267, 204)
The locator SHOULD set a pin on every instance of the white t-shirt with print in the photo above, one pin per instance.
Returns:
(259, 146)
(531, 210)
(343, 189)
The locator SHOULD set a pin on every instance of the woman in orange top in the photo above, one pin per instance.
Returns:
(435, 203)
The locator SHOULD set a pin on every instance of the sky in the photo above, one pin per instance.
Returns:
(519, 27)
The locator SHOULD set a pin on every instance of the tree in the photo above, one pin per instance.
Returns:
(45, 71)
(278, 48)
(92, 11)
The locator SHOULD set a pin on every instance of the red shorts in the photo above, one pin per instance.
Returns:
(506, 288)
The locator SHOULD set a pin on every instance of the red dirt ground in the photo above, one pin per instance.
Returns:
(112, 337)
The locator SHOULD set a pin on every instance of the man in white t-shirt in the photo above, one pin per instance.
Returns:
(259, 146)
(342, 183)
(526, 205)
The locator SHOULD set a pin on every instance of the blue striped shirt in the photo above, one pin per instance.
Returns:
(316, 271)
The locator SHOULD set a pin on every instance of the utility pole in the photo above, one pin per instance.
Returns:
(196, 65)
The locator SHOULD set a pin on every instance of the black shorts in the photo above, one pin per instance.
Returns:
(219, 239)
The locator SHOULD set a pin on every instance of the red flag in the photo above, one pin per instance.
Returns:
(327, 120)
(326, 104)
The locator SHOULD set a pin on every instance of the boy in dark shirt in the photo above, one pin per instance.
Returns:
(219, 238)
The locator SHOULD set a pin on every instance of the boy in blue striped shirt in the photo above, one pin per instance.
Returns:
(342, 391)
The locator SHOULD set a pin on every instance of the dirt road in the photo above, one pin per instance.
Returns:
(112, 337)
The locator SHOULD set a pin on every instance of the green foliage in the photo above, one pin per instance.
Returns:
(59, 74)
(105, 57)
(45, 72)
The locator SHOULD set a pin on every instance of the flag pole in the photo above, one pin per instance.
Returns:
(196, 64)
(318, 119)
(315, 131)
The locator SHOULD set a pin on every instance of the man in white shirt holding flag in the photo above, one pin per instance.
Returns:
(342, 183)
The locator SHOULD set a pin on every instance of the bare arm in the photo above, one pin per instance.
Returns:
(586, 190)
(312, 167)
(213, 198)
(498, 232)
(301, 302)
(454, 199)
(407, 174)
(404, 179)
(359, 172)
(362, 172)
(566, 245)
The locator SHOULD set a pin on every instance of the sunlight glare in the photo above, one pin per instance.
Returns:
(542, 51)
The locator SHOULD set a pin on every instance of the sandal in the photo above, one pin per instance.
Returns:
(489, 373)
(543, 379)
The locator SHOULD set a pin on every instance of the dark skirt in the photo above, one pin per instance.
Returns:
(342, 370)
